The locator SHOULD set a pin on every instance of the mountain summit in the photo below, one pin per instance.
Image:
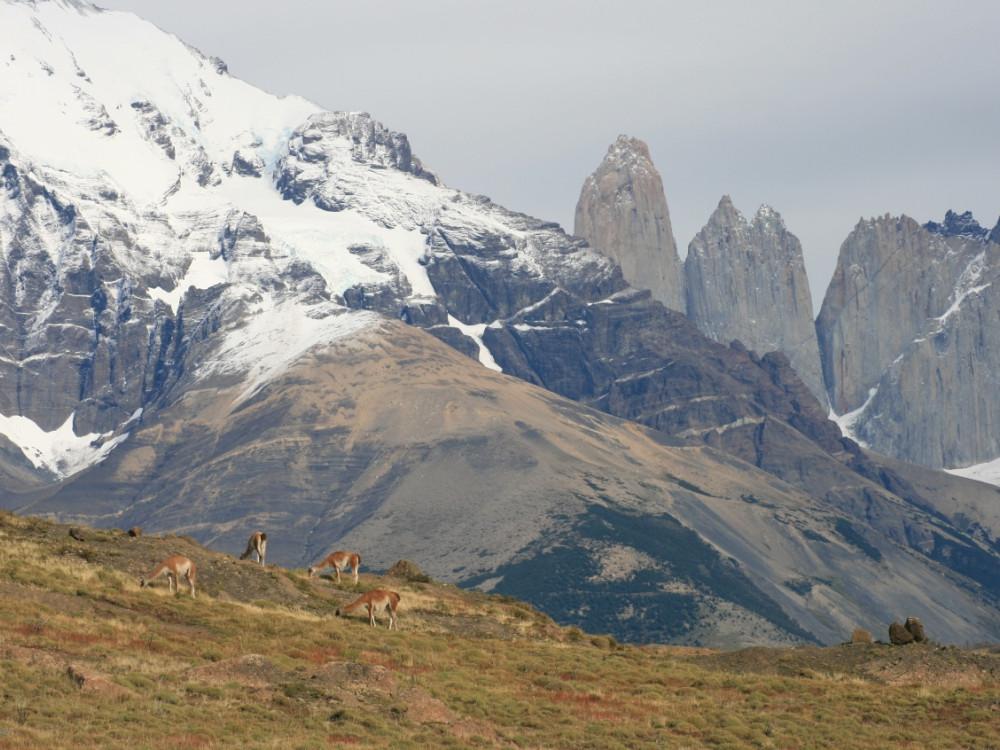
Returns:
(623, 211)
(746, 281)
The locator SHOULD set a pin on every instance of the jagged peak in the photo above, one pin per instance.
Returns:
(960, 225)
(766, 216)
(727, 214)
(371, 141)
(627, 152)
(885, 220)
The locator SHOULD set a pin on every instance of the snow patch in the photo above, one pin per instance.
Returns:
(263, 347)
(966, 285)
(847, 422)
(988, 472)
(203, 273)
(475, 332)
(60, 451)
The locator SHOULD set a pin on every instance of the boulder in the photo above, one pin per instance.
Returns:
(915, 628)
(407, 570)
(860, 635)
(899, 635)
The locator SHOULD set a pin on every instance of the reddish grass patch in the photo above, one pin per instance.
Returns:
(342, 739)
(566, 677)
(28, 629)
(81, 638)
(567, 696)
(319, 655)
(186, 740)
(148, 644)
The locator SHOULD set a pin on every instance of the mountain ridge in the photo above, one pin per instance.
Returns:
(191, 316)
(902, 295)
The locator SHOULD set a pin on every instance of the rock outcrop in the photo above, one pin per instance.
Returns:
(746, 281)
(915, 628)
(623, 212)
(899, 635)
(909, 341)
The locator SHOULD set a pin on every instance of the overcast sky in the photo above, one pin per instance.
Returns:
(827, 111)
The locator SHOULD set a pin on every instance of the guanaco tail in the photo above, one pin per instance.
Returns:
(375, 601)
(173, 568)
(258, 544)
(339, 561)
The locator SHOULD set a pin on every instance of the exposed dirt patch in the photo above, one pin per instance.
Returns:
(85, 678)
(917, 663)
(252, 670)
(351, 684)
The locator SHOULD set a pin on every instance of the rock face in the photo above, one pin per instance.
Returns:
(909, 341)
(746, 281)
(623, 212)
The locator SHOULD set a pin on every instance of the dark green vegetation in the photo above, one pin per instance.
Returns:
(639, 604)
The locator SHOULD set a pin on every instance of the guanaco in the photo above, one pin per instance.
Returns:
(173, 567)
(258, 544)
(375, 600)
(339, 561)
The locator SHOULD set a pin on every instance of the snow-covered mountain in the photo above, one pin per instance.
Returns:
(219, 311)
(139, 175)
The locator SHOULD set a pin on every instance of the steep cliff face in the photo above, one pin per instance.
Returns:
(623, 212)
(908, 339)
(76, 329)
(746, 281)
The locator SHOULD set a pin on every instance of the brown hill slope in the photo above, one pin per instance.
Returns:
(395, 445)
(90, 659)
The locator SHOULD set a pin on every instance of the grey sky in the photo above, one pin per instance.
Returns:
(829, 112)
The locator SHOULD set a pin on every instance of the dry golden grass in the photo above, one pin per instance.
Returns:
(465, 669)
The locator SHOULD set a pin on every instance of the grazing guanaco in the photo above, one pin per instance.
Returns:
(375, 600)
(173, 567)
(258, 544)
(339, 561)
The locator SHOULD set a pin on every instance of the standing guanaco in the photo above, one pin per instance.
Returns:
(375, 600)
(173, 567)
(258, 544)
(339, 561)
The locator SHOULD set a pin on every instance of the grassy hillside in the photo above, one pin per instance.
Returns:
(259, 660)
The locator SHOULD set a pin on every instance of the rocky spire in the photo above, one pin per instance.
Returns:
(908, 338)
(623, 212)
(746, 281)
